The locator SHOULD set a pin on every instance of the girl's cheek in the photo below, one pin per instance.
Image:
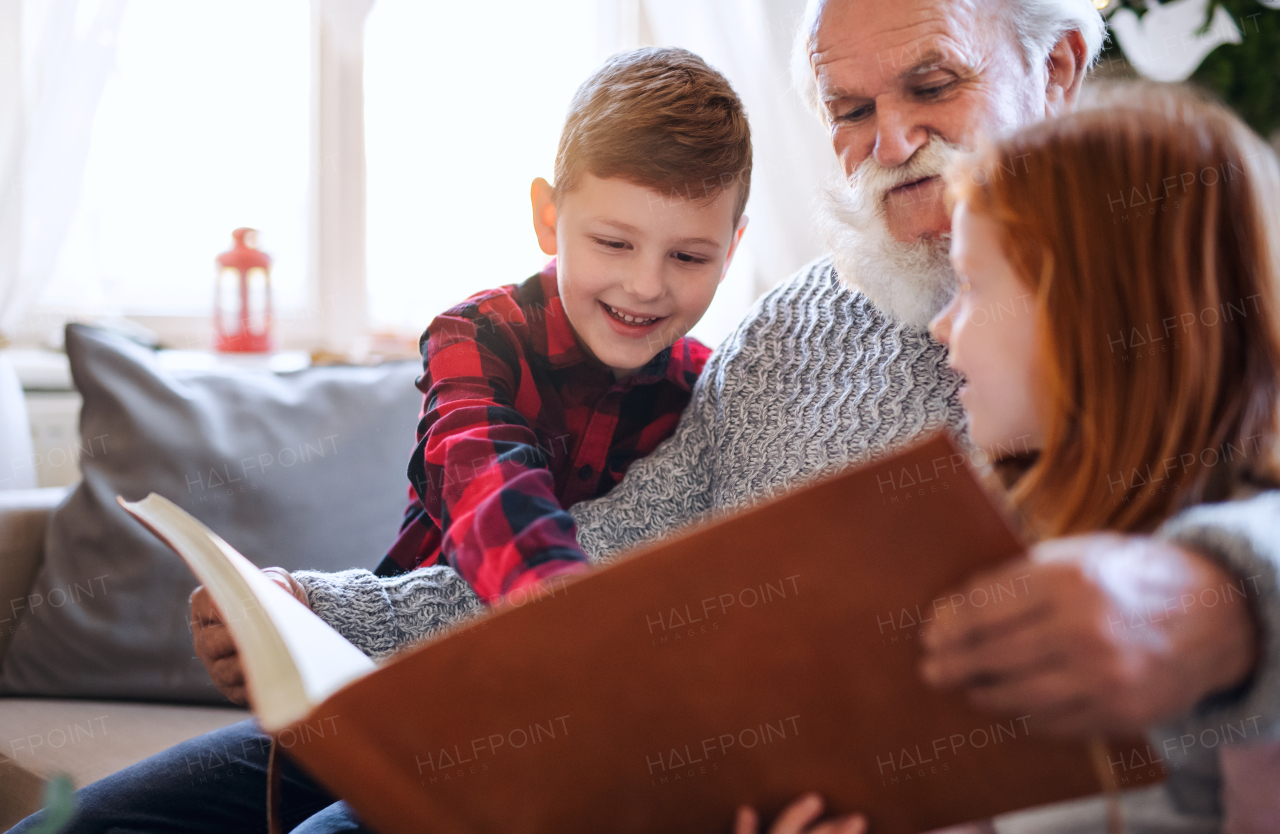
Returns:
(955, 345)
(959, 330)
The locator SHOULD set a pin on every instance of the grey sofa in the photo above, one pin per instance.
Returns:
(303, 470)
(86, 739)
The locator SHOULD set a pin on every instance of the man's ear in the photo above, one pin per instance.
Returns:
(1065, 68)
(733, 245)
(543, 197)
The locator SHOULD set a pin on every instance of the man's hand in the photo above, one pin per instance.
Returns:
(798, 817)
(1101, 633)
(213, 642)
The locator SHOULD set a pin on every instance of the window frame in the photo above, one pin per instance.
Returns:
(334, 317)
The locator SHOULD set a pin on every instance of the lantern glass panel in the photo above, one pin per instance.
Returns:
(228, 306)
(258, 299)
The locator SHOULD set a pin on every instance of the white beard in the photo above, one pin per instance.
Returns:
(910, 282)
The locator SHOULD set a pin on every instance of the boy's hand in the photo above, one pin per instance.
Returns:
(797, 818)
(212, 638)
(285, 580)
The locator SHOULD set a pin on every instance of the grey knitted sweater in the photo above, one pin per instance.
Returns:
(815, 378)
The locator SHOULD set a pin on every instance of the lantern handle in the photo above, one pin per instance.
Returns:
(245, 237)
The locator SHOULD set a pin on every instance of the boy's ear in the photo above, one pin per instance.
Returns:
(733, 245)
(543, 197)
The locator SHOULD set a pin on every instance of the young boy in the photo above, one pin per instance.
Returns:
(541, 394)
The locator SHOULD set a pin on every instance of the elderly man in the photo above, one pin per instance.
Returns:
(835, 367)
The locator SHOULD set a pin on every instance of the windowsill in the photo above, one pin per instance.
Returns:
(195, 333)
(43, 370)
(291, 331)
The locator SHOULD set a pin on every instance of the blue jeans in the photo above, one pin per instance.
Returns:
(215, 783)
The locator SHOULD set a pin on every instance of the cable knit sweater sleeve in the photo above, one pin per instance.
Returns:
(381, 614)
(1245, 536)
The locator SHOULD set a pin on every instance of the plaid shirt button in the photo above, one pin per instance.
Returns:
(585, 472)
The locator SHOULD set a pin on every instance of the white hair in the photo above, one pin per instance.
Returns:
(1037, 25)
(909, 280)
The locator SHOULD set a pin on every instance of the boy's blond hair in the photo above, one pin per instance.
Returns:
(663, 119)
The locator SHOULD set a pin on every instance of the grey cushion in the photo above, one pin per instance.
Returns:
(305, 470)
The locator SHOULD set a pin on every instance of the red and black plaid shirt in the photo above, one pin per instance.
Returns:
(520, 422)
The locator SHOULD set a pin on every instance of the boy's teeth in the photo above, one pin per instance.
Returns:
(629, 319)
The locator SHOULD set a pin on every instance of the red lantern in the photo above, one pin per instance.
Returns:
(242, 300)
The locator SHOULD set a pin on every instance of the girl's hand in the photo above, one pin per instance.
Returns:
(798, 817)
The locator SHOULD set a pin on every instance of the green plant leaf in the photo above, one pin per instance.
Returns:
(59, 805)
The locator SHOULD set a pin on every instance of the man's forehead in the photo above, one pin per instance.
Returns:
(861, 44)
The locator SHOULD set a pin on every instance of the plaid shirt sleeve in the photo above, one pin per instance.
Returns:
(478, 469)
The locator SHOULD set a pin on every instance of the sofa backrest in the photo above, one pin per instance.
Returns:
(24, 514)
(303, 470)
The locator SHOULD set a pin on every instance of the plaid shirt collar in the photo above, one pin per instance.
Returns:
(563, 348)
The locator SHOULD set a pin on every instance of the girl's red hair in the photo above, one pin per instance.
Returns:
(1149, 232)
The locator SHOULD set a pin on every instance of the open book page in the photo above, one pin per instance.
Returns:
(292, 659)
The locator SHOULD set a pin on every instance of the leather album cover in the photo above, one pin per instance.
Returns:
(747, 660)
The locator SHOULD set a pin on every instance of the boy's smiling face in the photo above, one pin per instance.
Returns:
(636, 269)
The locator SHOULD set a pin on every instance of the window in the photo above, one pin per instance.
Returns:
(209, 121)
(459, 120)
(202, 127)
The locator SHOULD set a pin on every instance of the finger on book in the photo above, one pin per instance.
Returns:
(991, 603)
(797, 816)
(227, 672)
(1023, 649)
(215, 643)
(852, 824)
(203, 611)
(1038, 697)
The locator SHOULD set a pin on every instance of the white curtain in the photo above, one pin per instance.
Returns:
(337, 228)
(55, 56)
(750, 42)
